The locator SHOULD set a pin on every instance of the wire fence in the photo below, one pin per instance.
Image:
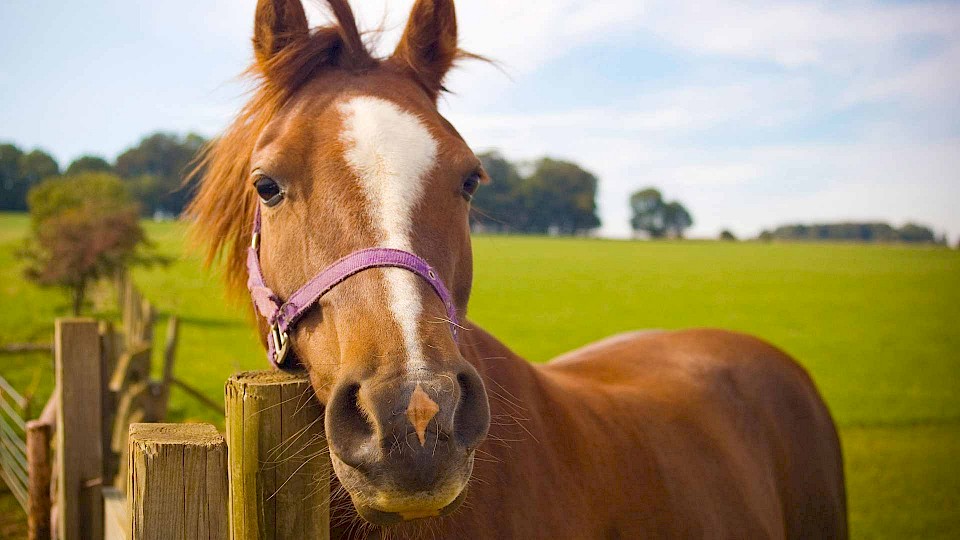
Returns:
(13, 446)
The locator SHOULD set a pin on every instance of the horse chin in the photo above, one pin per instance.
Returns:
(385, 519)
(392, 507)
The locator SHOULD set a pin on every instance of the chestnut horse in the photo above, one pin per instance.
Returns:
(692, 434)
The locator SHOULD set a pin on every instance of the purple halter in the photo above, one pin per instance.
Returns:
(282, 316)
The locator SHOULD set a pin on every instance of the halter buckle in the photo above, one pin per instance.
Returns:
(281, 344)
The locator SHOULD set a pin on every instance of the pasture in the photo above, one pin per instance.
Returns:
(876, 326)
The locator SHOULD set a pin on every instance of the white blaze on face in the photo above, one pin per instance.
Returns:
(391, 151)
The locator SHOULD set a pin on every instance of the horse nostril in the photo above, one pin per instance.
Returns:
(464, 383)
(349, 431)
(472, 418)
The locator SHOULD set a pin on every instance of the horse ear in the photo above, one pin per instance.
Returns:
(277, 24)
(429, 43)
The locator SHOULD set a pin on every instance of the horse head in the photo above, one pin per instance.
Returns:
(336, 153)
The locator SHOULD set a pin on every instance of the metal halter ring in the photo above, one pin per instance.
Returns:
(281, 344)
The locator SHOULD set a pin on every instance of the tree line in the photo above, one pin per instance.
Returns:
(545, 196)
(552, 196)
(855, 232)
(152, 172)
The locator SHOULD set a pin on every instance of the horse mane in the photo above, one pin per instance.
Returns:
(222, 209)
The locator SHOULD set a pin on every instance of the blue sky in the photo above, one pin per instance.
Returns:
(751, 113)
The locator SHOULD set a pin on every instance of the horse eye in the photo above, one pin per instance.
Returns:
(268, 190)
(470, 186)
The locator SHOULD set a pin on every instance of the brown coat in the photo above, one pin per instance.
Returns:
(687, 434)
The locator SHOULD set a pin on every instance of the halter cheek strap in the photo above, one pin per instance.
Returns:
(283, 315)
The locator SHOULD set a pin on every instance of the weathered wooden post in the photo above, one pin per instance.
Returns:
(279, 465)
(110, 346)
(38, 466)
(177, 486)
(79, 429)
(162, 390)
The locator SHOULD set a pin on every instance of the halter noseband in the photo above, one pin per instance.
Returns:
(282, 316)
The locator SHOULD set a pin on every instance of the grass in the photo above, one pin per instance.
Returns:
(875, 325)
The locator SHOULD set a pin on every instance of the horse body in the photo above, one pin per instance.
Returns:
(685, 434)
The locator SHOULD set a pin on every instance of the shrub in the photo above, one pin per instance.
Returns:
(84, 227)
(727, 236)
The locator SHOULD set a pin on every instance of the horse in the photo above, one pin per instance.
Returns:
(340, 197)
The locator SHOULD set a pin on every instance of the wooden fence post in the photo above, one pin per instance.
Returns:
(177, 486)
(162, 391)
(38, 464)
(279, 465)
(110, 346)
(79, 429)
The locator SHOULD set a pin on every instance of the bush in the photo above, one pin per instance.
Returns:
(727, 236)
(85, 227)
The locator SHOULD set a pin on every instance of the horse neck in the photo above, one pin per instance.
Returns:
(486, 352)
(513, 384)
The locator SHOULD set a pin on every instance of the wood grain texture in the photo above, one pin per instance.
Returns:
(279, 466)
(38, 463)
(162, 391)
(177, 482)
(110, 350)
(79, 429)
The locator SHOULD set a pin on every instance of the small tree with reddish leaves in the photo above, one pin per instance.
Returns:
(85, 227)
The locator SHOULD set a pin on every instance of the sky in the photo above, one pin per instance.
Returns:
(752, 114)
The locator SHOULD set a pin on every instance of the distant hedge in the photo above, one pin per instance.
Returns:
(854, 232)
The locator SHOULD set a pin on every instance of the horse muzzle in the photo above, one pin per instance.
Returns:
(403, 446)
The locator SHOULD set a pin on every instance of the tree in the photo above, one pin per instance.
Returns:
(498, 206)
(85, 227)
(676, 218)
(658, 218)
(102, 193)
(9, 176)
(647, 207)
(560, 196)
(89, 164)
(166, 158)
(37, 165)
(19, 172)
(911, 232)
(727, 236)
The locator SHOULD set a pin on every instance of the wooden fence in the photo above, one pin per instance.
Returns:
(277, 469)
(64, 464)
(95, 464)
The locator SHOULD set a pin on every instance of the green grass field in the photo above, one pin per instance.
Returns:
(877, 327)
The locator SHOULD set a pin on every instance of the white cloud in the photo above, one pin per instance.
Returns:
(797, 33)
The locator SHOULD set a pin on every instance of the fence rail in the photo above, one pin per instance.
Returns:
(13, 447)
